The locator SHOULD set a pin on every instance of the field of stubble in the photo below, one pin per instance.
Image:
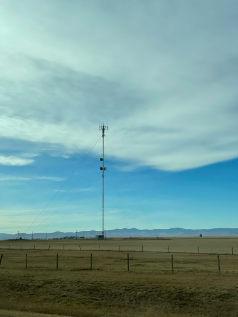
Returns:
(149, 288)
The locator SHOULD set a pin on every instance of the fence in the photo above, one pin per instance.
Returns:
(115, 261)
(121, 247)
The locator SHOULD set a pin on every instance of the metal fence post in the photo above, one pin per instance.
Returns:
(218, 262)
(172, 262)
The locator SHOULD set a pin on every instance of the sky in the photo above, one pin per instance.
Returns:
(162, 75)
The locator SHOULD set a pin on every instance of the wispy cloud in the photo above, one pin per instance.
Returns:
(75, 190)
(31, 178)
(14, 161)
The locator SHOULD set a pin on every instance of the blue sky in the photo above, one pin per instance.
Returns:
(162, 75)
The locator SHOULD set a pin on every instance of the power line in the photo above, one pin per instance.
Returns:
(63, 185)
(67, 202)
(85, 171)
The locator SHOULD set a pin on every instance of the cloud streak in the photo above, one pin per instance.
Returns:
(31, 178)
(14, 161)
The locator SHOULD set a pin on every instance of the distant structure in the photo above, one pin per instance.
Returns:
(103, 169)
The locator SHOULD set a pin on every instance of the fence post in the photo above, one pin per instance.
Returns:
(1, 259)
(34, 247)
(99, 247)
(172, 262)
(91, 261)
(142, 248)
(9, 246)
(128, 264)
(198, 250)
(26, 261)
(57, 261)
(119, 248)
(218, 262)
(168, 249)
(232, 251)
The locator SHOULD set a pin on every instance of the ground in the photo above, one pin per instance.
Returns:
(149, 288)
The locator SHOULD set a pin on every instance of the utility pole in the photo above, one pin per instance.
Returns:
(46, 235)
(18, 234)
(76, 234)
(103, 128)
(32, 236)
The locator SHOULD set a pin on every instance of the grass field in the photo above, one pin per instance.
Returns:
(148, 289)
(190, 245)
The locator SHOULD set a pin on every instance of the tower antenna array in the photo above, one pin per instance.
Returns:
(103, 168)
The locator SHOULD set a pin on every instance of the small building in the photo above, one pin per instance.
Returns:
(200, 235)
(100, 237)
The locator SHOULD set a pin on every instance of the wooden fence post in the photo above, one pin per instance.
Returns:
(1, 259)
(218, 262)
(91, 261)
(26, 261)
(57, 261)
(128, 264)
(99, 247)
(172, 262)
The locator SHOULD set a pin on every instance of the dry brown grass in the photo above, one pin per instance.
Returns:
(148, 289)
(190, 245)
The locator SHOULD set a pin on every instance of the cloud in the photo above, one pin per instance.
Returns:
(74, 190)
(164, 79)
(14, 161)
(19, 178)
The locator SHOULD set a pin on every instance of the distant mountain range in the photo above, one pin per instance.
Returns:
(133, 232)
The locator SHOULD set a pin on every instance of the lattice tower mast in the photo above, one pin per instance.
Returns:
(103, 169)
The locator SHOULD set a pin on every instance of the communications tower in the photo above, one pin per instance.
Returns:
(103, 169)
